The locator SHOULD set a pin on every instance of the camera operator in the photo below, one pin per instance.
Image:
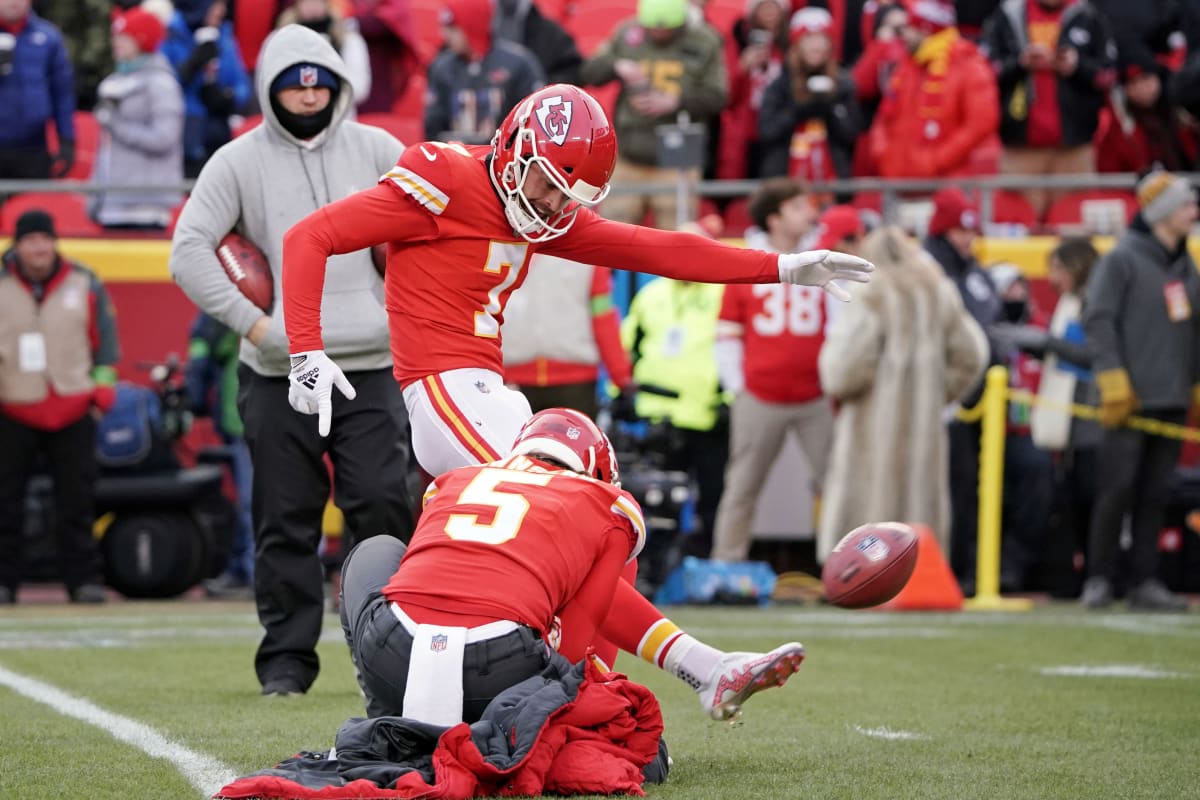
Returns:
(670, 332)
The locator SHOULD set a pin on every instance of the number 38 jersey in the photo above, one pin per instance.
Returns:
(782, 328)
(512, 540)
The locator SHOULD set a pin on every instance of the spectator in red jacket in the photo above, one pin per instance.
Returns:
(387, 28)
(58, 342)
(940, 113)
(884, 52)
(1140, 127)
(753, 58)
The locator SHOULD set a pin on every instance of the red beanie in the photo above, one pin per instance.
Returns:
(837, 223)
(141, 26)
(953, 209)
(931, 16)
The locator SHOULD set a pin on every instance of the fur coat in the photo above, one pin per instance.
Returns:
(893, 359)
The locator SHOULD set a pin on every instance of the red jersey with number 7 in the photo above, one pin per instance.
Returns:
(513, 540)
(453, 259)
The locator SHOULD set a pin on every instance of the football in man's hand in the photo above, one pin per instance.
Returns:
(247, 268)
(870, 565)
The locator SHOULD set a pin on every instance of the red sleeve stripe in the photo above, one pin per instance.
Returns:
(417, 187)
(456, 422)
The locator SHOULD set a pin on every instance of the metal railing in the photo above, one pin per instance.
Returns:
(892, 191)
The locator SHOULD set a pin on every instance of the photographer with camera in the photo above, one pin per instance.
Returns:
(36, 86)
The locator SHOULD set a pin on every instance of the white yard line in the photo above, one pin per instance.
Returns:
(890, 735)
(1110, 671)
(203, 772)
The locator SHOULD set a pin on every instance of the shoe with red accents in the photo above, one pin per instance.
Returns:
(737, 676)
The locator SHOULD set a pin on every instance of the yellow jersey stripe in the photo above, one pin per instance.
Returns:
(630, 511)
(419, 189)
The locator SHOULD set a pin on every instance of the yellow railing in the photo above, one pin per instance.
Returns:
(992, 414)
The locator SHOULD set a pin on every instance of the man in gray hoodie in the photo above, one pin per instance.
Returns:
(304, 156)
(1142, 323)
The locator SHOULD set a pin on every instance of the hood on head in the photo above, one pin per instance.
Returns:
(295, 44)
(475, 19)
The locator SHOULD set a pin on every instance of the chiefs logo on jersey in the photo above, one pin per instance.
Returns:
(554, 115)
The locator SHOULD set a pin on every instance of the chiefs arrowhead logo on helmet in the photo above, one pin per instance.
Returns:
(554, 115)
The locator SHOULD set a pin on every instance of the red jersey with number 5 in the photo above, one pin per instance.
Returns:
(453, 259)
(782, 329)
(512, 540)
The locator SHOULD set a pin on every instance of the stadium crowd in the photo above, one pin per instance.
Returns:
(789, 92)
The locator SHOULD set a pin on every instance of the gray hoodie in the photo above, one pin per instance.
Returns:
(264, 182)
(1127, 324)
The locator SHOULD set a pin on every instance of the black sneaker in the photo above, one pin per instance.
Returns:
(1097, 593)
(89, 593)
(1151, 595)
(228, 587)
(283, 686)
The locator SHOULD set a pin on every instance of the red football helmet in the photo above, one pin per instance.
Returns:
(571, 438)
(563, 130)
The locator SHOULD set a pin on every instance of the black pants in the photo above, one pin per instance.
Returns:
(579, 396)
(1134, 476)
(1028, 493)
(71, 453)
(964, 498)
(369, 447)
(380, 646)
(24, 162)
(703, 454)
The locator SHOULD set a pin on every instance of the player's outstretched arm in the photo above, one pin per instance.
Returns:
(690, 257)
(361, 220)
(822, 267)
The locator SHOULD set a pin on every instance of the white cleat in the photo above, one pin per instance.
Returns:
(737, 676)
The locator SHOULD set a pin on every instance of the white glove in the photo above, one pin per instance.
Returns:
(821, 267)
(310, 386)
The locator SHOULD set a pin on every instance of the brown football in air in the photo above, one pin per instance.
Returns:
(247, 268)
(870, 565)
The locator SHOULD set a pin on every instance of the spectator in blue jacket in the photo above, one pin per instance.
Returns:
(201, 47)
(36, 85)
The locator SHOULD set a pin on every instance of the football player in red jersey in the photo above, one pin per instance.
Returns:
(503, 551)
(461, 223)
(507, 558)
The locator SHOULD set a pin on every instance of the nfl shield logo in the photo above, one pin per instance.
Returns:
(308, 76)
(874, 548)
(438, 643)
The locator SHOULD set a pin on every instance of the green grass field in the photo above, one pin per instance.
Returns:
(1048, 704)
